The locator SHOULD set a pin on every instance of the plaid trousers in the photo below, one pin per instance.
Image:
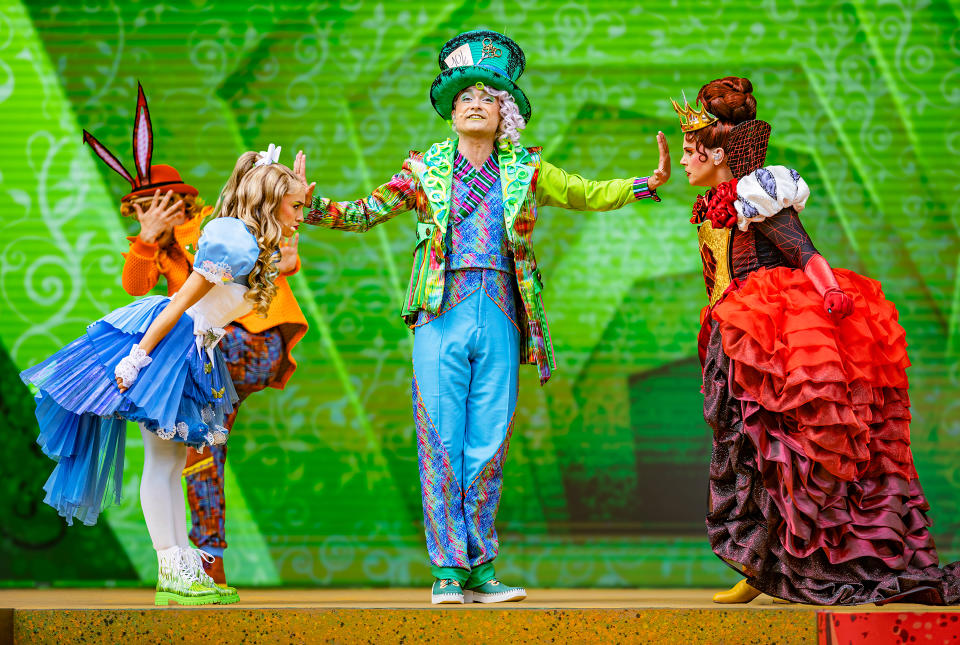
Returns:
(253, 360)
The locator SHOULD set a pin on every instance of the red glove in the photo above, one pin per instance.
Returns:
(837, 304)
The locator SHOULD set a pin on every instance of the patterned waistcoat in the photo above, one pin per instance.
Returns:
(477, 252)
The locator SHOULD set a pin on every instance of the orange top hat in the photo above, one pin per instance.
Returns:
(149, 178)
(165, 178)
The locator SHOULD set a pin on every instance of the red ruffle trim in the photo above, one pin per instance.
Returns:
(841, 388)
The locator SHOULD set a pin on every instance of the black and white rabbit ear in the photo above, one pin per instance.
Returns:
(108, 157)
(142, 138)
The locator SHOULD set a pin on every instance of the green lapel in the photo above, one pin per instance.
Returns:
(436, 180)
(515, 178)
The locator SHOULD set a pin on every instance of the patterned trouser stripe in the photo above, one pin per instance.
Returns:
(442, 498)
(481, 503)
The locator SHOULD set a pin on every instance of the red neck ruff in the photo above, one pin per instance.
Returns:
(717, 206)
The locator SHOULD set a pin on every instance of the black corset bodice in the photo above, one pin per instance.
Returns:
(777, 241)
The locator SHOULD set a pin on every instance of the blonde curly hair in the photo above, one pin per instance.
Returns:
(253, 195)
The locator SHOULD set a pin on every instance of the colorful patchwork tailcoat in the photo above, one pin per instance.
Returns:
(423, 185)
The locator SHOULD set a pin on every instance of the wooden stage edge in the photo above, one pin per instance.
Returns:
(405, 615)
(417, 598)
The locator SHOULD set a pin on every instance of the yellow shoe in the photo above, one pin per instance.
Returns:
(739, 593)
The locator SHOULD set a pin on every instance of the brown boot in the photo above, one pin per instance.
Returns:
(215, 570)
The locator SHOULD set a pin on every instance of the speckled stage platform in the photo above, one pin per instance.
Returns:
(278, 616)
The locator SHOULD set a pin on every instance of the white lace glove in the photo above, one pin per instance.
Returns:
(130, 365)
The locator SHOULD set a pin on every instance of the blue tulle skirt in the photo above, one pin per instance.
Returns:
(182, 396)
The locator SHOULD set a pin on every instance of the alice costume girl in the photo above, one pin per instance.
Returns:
(181, 392)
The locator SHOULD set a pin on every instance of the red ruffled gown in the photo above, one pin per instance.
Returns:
(813, 492)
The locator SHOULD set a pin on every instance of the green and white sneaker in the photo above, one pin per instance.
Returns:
(494, 591)
(177, 583)
(446, 592)
(193, 559)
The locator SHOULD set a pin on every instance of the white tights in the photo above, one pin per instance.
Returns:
(161, 493)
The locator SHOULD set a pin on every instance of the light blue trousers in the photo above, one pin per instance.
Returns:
(465, 379)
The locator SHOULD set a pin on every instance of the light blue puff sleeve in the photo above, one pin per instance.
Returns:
(227, 251)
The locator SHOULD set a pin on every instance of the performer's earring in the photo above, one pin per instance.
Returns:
(717, 156)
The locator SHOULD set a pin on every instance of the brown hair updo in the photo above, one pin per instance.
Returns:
(731, 100)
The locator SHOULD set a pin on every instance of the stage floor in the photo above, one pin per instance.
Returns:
(278, 616)
(253, 598)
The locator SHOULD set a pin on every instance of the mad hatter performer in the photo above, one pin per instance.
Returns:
(813, 492)
(258, 350)
(474, 300)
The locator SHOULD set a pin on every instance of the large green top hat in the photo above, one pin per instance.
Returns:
(479, 56)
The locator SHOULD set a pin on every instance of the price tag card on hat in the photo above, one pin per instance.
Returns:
(459, 57)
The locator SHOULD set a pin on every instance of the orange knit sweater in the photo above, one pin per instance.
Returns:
(145, 263)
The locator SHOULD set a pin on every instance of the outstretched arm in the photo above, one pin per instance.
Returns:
(192, 290)
(556, 187)
(385, 202)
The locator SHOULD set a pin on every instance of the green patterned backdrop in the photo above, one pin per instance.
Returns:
(606, 480)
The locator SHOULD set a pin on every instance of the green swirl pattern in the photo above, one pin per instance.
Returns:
(605, 483)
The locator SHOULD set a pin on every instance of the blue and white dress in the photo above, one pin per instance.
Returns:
(183, 395)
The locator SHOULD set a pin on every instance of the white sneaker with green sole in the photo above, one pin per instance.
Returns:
(446, 592)
(494, 591)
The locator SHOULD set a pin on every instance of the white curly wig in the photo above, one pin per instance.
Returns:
(510, 120)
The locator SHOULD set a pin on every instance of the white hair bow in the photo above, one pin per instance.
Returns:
(268, 156)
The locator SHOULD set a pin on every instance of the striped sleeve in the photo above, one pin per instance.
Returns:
(642, 191)
(385, 202)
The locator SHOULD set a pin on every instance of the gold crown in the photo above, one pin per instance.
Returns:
(691, 119)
